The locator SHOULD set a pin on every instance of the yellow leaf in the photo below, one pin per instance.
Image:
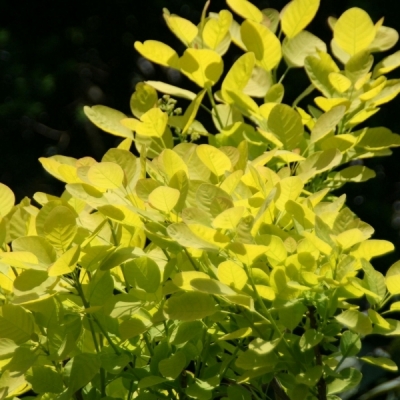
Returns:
(158, 53)
(354, 31)
(287, 189)
(263, 43)
(174, 91)
(215, 160)
(297, 15)
(182, 28)
(327, 104)
(153, 123)
(164, 198)
(7, 200)
(108, 119)
(106, 175)
(340, 82)
(203, 66)
(245, 9)
(229, 218)
(232, 274)
(215, 30)
(393, 278)
(66, 263)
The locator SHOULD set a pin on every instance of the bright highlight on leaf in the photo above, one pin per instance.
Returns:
(7, 200)
(158, 53)
(106, 175)
(245, 9)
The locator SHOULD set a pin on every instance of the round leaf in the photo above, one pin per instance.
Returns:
(106, 175)
(354, 31)
(189, 306)
(164, 198)
(108, 120)
(143, 99)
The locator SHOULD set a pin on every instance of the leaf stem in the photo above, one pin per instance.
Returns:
(301, 96)
(214, 106)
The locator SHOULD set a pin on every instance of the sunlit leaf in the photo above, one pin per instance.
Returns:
(106, 175)
(158, 53)
(109, 120)
(297, 15)
(263, 43)
(66, 263)
(184, 30)
(7, 200)
(245, 9)
(355, 321)
(304, 44)
(174, 91)
(354, 31)
(381, 362)
(215, 160)
(393, 279)
(203, 66)
(164, 198)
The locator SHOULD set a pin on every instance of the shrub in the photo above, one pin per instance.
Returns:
(226, 270)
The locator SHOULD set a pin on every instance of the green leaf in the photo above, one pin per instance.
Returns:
(145, 273)
(318, 70)
(7, 347)
(263, 43)
(238, 334)
(297, 15)
(182, 28)
(16, 323)
(100, 288)
(108, 120)
(285, 123)
(45, 379)
(310, 339)
(245, 9)
(66, 263)
(326, 123)
(189, 306)
(153, 123)
(297, 49)
(354, 31)
(143, 99)
(251, 359)
(158, 53)
(133, 327)
(355, 321)
(171, 367)
(7, 200)
(164, 198)
(349, 378)
(310, 377)
(186, 331)
(211, 286)
(382, 362)
(60, 227)
(150, 381)
(237, 392)
(37, 245)
(215, 160)
(174, 91)
(83, 367)
(202, 66)
(393, 278)
(350, 344)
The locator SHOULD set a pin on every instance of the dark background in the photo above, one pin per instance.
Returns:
(57, 56)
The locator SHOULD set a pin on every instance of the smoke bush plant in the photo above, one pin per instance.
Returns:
(225, 270)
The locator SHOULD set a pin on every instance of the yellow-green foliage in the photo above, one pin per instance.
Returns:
(210, 270)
